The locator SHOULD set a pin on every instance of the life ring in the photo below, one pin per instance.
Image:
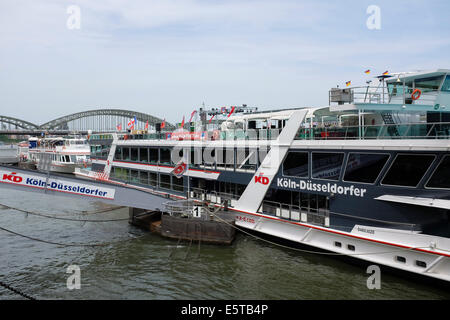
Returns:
(416, 94)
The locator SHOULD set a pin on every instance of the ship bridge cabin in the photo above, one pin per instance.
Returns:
(401, 106)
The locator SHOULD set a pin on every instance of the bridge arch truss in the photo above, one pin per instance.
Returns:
(102, 120)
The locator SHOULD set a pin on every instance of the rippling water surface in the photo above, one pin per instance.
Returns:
(139, 265)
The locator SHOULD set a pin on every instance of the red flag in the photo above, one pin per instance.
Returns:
(212, 118)
(232, 110)
(182, 123)
(192, 115)
(119, 127)
(146, 125)
(163, 124)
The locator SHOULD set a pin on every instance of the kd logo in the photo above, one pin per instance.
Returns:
(12, 177)
(262, 180)
(74, 281)
(374, 281)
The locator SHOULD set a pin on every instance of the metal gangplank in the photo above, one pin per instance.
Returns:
(53, 184)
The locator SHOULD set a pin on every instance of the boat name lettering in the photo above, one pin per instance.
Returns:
(61, 186)
(321, 187)
(371, 231)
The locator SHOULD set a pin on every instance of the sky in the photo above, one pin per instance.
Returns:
(167, 57)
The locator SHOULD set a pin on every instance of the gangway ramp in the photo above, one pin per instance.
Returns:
(54, 184)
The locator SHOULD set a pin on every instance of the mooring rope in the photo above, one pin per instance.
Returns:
(16, 291)
(63, 218)
(65, 244)
(310, 251)
(79, 213)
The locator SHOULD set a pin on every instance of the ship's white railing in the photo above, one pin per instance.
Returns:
(380, 94)
(436, 130)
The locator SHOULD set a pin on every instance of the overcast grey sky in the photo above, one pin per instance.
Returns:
(167, 57)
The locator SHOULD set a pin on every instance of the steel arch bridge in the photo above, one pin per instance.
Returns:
(97, 120)
(17, 123)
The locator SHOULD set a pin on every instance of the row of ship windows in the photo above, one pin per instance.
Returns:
(245, 158)
(406, 169)
(401, 259)
(164, 181)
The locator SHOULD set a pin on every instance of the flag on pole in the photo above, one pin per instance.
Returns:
(163, 124)
(182, 123)
(348, 83)
(146, 125)
(192, 115)
(223, 110)
(131, 123)
(232, 110)
(367, 71)
(385, 73)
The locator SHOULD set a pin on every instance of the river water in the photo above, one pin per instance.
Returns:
(136, 264)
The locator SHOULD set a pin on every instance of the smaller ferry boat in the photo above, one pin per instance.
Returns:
(59, 154)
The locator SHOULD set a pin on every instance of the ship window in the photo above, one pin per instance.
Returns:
(143, 175)
(143, 155)
(164, 181)
(134, 176)
(177, 184)
(327, 165)
(67, 158)
(351, 247)
(296, 164)
(446, 85)
(421, 264)
(441, 176)
(165, 156)
(337, 244)
(400, 259)
(121, 174)
(134, 154)
(428, 84)
(153, 179)
(247, 155)
(126, 154)
(408, 170)
(118, 154)
(153, 155)
(364, 168)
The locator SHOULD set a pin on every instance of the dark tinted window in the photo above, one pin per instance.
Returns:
(364, 167)
(126, 154)
(134, 154)
(164, 181)
(143, 155)
(296, 164)
(327, 165)
(165, 156)
(408, 170)
(153, 155)
(441, 177)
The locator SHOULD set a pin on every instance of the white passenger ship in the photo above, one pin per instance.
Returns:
(367, 176)
(61, 154)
